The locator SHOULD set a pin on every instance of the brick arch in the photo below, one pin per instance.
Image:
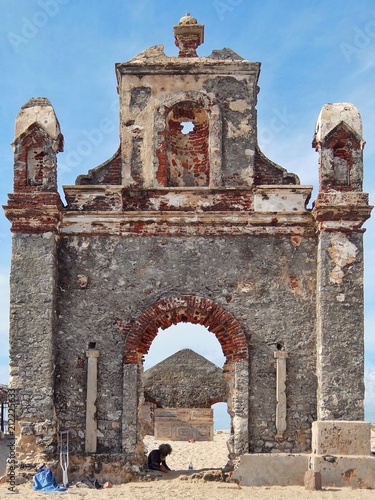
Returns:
(185, 309)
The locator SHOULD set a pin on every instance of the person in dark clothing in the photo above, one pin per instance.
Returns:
(156, 458)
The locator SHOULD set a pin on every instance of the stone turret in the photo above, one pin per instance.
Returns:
(37, 140)
(338, 139)
(340, 210)
(35, 210)
(35, 204)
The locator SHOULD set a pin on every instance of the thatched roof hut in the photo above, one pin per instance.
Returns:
(185, 380)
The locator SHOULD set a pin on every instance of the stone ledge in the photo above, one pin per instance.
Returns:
(279, 469)
(351, 470)
(341, 437)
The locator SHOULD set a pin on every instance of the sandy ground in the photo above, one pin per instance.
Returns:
(201, 454)
(177, 489)
(179, 485)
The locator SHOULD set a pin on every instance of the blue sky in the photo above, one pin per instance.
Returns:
(312, 53)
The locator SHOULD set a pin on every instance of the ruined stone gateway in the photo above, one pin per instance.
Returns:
(189, 223)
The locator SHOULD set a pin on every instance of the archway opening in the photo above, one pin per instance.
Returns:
(184, 336)
(221, 417)
(168, 347)
(140, 333)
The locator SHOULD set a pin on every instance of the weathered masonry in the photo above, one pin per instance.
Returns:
(189, 222)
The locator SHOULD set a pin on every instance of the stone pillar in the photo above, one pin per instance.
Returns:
(34, 209)
(340, 336)
(240, 407)
(340, 210)
(281, 357)
(92, 386)
(130, 408)
(31, 338)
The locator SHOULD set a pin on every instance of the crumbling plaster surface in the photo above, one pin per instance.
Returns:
(341, 387)
(127, 274)
(343, 253)
(39, 111)
(333, 114)
(148, 88)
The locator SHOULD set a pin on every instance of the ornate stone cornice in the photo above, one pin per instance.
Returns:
(341, 211)
(34, 212)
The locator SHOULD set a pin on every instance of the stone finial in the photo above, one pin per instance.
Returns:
(188, 36)
(39, 110)
(332, 115)
(338, 139)
(37, 140)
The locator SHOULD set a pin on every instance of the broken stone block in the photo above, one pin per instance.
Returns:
(313, 480)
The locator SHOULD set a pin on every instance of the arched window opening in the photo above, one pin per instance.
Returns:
(187, 133)
(221, 417)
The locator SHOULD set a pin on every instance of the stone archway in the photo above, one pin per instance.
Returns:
(140, 333)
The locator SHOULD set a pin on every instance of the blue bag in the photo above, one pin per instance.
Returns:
(44, 480)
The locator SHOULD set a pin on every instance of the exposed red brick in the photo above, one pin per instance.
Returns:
(344, 145)
(141, 332)
(184, 152)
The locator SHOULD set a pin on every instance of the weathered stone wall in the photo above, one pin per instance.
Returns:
(341, 385)
(32, 316)
(126, 275)
(3, 393)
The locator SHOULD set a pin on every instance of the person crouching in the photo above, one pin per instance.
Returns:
(156, 458)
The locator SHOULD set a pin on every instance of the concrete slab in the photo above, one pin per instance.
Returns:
(340, 471)
(340, 437)
(279, 469)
